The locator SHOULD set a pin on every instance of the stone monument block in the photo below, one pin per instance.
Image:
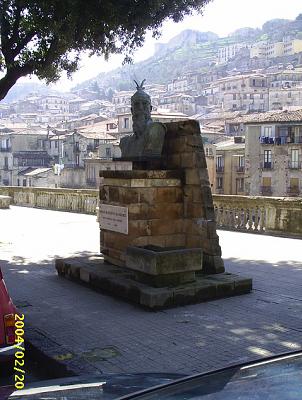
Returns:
(158, 233)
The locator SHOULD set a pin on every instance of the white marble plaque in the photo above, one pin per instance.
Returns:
(114, 218)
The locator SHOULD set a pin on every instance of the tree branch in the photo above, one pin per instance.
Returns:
(22, 43)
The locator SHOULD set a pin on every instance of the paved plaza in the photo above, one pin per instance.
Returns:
(114, 336)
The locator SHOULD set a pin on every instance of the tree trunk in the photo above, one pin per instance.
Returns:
(11, 77)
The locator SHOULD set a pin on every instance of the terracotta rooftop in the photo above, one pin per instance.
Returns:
(279, 116)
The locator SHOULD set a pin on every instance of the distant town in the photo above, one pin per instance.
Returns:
(250, 121)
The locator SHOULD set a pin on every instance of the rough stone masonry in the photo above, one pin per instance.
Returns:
(168, 207)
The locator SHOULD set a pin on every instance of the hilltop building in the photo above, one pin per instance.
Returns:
(287, 47)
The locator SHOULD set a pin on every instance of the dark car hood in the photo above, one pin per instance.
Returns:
(101, 387)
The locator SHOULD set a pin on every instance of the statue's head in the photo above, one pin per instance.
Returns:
(140, 109)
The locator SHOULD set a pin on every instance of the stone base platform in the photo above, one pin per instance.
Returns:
(120, 282)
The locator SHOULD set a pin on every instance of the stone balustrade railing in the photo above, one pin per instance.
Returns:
(278, 215)
(242, 213)
(75, 200)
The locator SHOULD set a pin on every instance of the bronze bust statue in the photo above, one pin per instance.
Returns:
(148, 136)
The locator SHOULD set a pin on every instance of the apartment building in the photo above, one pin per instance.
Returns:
(286, 97)
(182, 103)
(93, 166)
(241, 92)
(287, 47)
(38, 177)
(226, 166)
(292, 46)
(79, 145)
(21, 149)
(122, 100)
(274, 154)
(53, 104)
(285, 78)
(178, 85)
(228, 52)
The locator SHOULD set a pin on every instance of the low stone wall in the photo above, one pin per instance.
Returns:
(74, 200)
(5, 201)
(275, 215)
(258, 214)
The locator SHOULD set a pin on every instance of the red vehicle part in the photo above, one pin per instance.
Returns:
(7, 316)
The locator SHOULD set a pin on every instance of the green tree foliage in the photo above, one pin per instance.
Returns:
(46, 37)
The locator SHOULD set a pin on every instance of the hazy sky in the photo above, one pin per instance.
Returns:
(219, 16)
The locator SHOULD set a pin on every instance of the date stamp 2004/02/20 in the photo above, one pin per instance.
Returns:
(20, 351)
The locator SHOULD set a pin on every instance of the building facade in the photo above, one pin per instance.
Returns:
(274, 154)
(226, 166)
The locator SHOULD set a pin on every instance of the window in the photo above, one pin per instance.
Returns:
(219, 163)
(266, 186)
(267, 159)
(96, 143)
(251, 96)
(294, 159)
(56, 144)
(5, 162)
(77, 159)
(108, 152)
(24, 182)
(294, 183)
(241, 163)
(293, 187)
(126, 123)
(219, 182)
(268, 131)
(234, 96)
(18, 182)
(261, 96)
(240, 185)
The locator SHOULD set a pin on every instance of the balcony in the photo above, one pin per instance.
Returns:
(294, 165)
(266, 190)
(5, 149)
(91, 183)
(240, 169)
(266, 140)
(220, 169)
(280, 140)
(293, 191)
(266, 165)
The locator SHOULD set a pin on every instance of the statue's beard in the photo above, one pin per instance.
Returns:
(140, 124)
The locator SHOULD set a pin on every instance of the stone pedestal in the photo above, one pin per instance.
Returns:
(159, 266)
(154, 200)
(168, 206)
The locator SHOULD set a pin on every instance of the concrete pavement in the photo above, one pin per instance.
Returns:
(113, 336)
